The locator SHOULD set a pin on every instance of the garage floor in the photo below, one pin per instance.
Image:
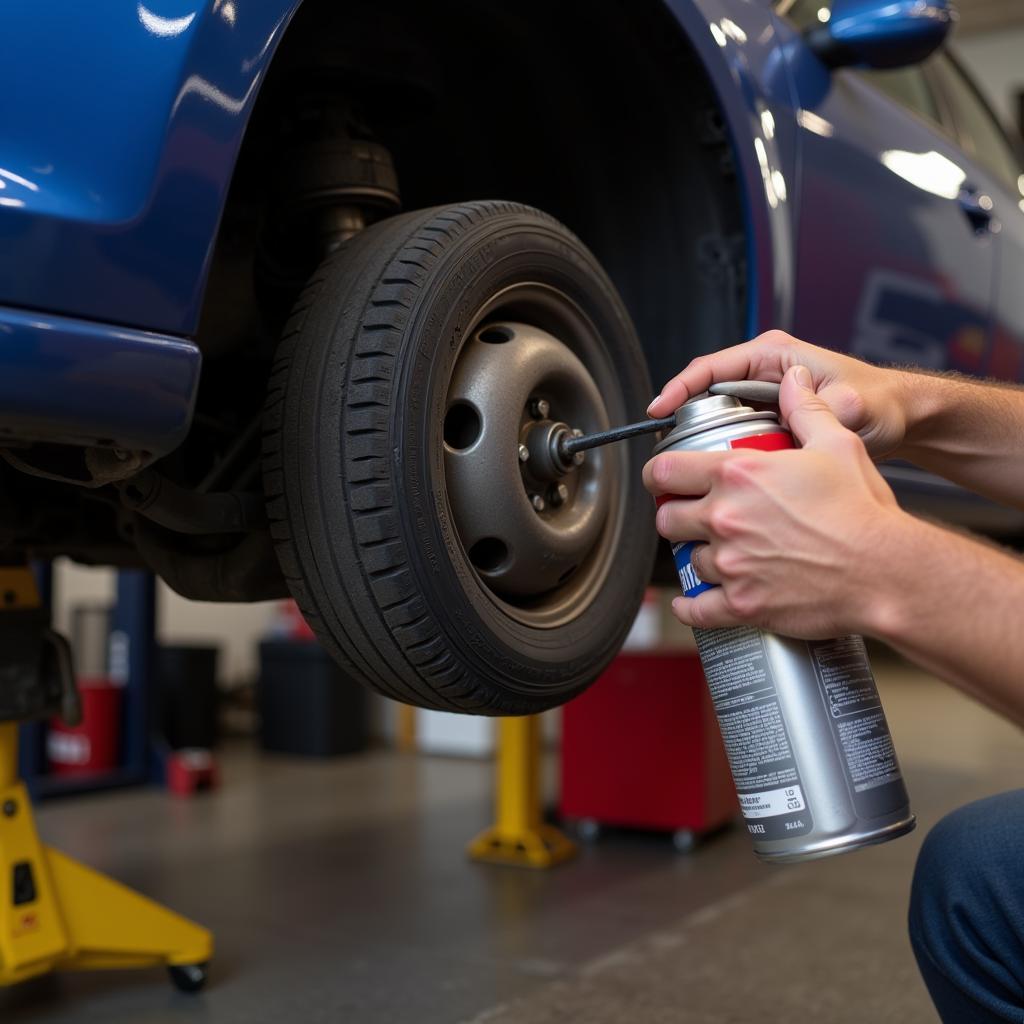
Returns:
(339, 892)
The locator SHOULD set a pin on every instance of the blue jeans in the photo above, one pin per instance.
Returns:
(967, 912)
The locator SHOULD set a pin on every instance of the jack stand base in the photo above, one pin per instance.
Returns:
(57, 914)
(540, 847)
(519, 837)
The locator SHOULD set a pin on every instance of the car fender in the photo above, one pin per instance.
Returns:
(738, 45)
(122, 124)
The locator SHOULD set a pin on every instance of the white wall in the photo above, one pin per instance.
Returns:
(995, 61)
(235, 628)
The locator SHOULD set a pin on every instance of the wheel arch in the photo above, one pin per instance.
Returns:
(748, 69)
(636, 154)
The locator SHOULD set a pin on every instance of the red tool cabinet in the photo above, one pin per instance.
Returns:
(641, 748)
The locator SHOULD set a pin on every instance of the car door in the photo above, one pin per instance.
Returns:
(892, 262)
(995, 165)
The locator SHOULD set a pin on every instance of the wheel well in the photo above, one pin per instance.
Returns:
(604, 119)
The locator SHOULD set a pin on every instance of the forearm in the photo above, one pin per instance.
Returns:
(966, 431)
(952, 605)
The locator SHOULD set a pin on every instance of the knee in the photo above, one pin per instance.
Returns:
(966, 871)
(967, 910)
(950, 852)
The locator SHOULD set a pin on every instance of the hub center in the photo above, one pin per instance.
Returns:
(545, 462)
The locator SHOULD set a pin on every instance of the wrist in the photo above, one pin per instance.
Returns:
(923, 399)
(901, 547)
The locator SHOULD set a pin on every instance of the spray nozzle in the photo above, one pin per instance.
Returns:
(748, 390)
(745, 390)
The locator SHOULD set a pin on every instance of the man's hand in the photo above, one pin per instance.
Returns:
(789, 535)
(811, 543)
(870, 401)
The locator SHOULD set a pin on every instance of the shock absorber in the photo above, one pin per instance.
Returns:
(333, 181)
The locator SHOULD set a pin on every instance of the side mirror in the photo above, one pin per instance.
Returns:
(881, 33)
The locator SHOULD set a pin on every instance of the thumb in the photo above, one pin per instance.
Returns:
(805, 413)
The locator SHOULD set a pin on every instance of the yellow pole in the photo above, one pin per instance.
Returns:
(519, 835)
(405, 734)
(518, 776)
(8, 754)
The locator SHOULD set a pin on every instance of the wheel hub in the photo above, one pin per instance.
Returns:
(544, 461)
(527, 517)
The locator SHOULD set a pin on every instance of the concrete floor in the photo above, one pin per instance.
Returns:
(339, 892)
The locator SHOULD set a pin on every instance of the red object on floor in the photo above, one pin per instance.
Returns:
(191, 771)
(91, 747)
(641, 748)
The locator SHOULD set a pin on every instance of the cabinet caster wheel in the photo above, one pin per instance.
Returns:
(188, 977)
(684, 840)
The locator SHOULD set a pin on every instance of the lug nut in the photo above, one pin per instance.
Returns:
(578, 457)
(539, 408)
(537, 502)
(524, 453)
(559, 495)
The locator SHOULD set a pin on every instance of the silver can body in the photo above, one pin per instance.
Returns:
(803, 726)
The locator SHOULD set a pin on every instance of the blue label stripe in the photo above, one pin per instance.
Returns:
(691, 583)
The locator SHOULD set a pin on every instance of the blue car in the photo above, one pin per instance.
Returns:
(260, 333)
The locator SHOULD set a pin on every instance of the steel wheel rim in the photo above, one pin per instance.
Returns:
(540, 566)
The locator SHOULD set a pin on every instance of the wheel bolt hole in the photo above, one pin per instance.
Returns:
(495, 335)
(462, 426)
(489, 554)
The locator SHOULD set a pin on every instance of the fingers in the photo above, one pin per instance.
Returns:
(729, 364)
(686, 474)
(705, 611)
(806, 414)
(700, 559)
(682, 520)
(764, 358)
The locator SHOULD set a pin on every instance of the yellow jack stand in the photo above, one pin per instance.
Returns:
(520, 837)
(57, 914)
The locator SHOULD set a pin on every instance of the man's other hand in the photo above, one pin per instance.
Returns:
(868, 400)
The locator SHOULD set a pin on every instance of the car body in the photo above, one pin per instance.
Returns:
(728, 179)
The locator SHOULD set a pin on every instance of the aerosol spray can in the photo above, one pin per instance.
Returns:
(803, 726)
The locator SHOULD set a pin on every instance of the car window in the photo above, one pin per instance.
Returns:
(908, 87)
(982, 137)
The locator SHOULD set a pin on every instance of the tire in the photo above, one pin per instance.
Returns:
(355, 471)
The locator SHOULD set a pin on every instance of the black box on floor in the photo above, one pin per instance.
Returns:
(307, 705)
(188, 701)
